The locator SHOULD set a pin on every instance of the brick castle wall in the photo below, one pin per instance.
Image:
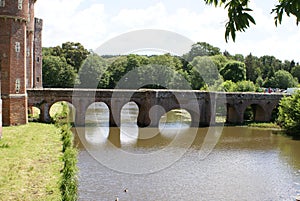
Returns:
(17, 58)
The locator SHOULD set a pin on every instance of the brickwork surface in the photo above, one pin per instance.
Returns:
(17, 58)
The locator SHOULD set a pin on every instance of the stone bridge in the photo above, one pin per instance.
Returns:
(152, 104)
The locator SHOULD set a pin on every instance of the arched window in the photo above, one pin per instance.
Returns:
(2, 3)
(17, 46)
(20, 4)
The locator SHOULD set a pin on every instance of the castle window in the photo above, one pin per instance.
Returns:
(29, 15)
(20, 4)
(38, 79)
(38, 59)
(28, 52)
(17, 46)
(2, 3)
(18, 85)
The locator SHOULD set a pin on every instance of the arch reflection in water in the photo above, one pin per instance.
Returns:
(129, 129)
(173, 123)
(97, 129)
(97, 123)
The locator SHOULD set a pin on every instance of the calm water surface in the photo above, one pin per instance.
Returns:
(246, 164)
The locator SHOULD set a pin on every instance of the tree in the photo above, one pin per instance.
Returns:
(92, 71)
(166, 60)
(234, 71)
(239, 18)
(238, 57)
(282, 79)
(57, 72)
(201, 49)
(74, 53)
(252, 68)
(288, 65)
(296, 72)
(219, 60)
(204, 72)
(156, 76)
(270, 65)
(116, 70)
(289, 114)
(121, 66)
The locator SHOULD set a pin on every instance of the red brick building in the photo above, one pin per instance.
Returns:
(20, 57)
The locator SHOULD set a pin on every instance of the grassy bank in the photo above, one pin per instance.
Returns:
(29, 162)
(264, 125)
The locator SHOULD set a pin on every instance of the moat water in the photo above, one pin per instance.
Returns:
(246, 163)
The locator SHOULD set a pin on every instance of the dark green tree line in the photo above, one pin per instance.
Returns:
(207, 69)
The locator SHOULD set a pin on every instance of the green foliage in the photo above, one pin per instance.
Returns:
(282, 79)
(234, 71)
(201, 49)
(92, 71)
(57, 72)
(269, 65)
(61, 117)
(227, 86)
(204, 72)
(296, 72)
(166, 60)
(245, 85)
(290, 7)
(116, 71)
(241, 86)
(238, 57)
(74, 53)
(68, 181)
(239, 18)
(289, 113)
(157, 77)
(264, 125)
(120, 67)
(253, 70)
(219, 60)
(193, 67)
(259, 81)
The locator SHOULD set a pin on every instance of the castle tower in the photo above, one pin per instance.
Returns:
(16, 58)
(29, 48)
(37, 53)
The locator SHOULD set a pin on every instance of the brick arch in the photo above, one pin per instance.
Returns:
(232, 114)
(191, 113)
(127, 104)
(259, 112)
(69, 104)
(97, 102)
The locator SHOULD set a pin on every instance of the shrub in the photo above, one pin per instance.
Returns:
(68, 181)
(227, 86)
(245, 85)
(289, 114)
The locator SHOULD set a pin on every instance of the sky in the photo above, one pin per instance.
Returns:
(93, 22)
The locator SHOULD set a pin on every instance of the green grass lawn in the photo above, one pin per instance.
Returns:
(29, 162)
